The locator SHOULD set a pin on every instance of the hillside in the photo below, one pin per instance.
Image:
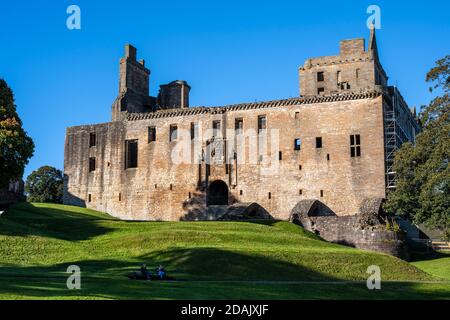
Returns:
(221, 260)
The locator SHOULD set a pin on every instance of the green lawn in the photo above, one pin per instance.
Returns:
(210, 260)
(437, 264)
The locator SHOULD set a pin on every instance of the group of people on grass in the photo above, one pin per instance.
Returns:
(146, 274)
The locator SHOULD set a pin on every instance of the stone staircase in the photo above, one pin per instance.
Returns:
(441, 246)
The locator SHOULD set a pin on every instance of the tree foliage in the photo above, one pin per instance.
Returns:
(16, 148)
(423, 175)
(45, 185)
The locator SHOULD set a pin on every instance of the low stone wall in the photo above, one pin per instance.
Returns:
(346, 230)
(366, 230)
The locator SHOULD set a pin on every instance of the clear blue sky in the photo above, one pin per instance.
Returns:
(229, 51)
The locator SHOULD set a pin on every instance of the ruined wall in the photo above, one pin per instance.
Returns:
(354, 69)
(162, 189)
(346, 231)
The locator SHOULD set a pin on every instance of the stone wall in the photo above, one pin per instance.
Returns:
(160, 188)
(366, 230)
(354, 69)
(347, 231)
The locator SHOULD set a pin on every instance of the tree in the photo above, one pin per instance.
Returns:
(423, 175)
(16, 148)
(45, 185)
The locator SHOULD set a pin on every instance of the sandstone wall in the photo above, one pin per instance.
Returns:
(161, 189)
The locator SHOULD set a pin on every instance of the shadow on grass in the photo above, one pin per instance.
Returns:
(432, 255)
(25, 219)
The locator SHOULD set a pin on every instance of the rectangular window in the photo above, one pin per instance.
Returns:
(194, 130)
(131, 154)
(297, 144)
(173, 132)
(262, 124)
(321, 193)
(280, 156)
(238, 126)
(338, 77)
(151, 134)
(318, 142)
(216, 128)
(355, 145)
(91, 164)
(92, 140)
(297, 115)
(89, 197)
(320, 91)
(320, 76)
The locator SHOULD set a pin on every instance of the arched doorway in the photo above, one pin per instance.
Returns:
(217, 193)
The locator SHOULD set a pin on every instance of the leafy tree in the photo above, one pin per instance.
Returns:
(423, 175)
(45, 185)
(16, 148)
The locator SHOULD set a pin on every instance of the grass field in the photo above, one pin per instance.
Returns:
(210, 260)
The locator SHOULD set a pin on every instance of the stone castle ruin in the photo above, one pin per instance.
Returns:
(317, 159)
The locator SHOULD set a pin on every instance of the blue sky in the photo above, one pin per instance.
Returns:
(228, 51)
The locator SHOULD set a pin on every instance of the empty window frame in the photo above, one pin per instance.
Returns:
(338, 77)
(238, 125)
(216, 128)
(318, 142)
(320, 76)
(262, 123)
(355, 145)
(280, 155)
(131, 154)
(297, 144)
(320, 90)
(151, 134)
(92, 139)
(195, 130)
(91, 164)
(173, 132)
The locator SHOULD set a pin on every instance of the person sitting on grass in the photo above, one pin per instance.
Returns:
(144, 272)
(161, 272)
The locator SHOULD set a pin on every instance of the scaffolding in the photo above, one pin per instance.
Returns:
(400, 126)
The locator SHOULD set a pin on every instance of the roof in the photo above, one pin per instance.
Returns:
(252, 105)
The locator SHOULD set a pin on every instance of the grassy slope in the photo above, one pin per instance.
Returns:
(437, 264)
(38, 242)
